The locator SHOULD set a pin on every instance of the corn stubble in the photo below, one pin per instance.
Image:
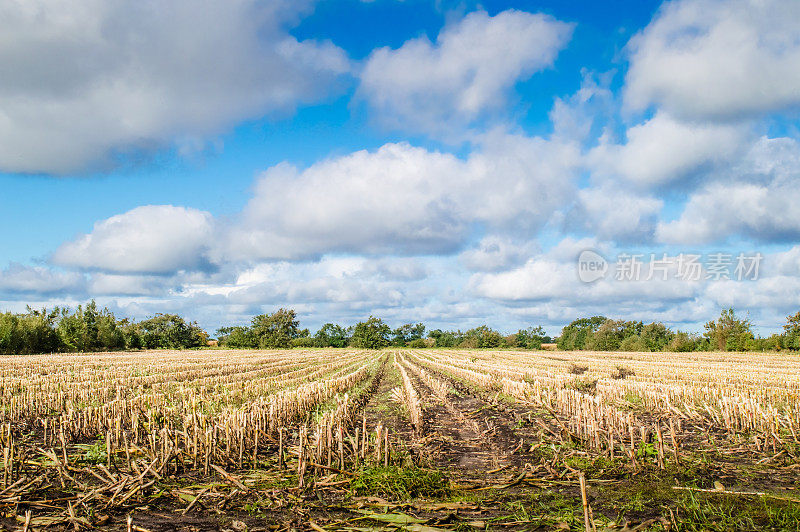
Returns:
(110, 426)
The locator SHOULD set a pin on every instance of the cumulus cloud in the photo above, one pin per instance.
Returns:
(157, 239)
(612, 213)
(717, 59)
(720, 211)
(547, 286)
(105, 284)
(770, 297)
(497, 252)
(19, 278)
(335, 287)
(754, 198)
(434, 86)
(402, 199)
(663, 150)
(82, 82)
(552, 276)
(786, 262)
(575, 116)
(538, 279)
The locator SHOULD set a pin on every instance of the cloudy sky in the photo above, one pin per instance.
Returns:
(418, 160)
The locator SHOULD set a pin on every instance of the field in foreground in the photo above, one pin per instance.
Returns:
(400, 440)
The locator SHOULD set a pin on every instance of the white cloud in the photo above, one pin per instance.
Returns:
(717, 59)
(497, 252)
(332, 287)
(150, 239)
(553, 277)
(83, 82)
(720, 211)
(538, 279)
(663, 150)
(786, 262)
(770, 297)
(610, 212)
(105, 284)
(754, 198)
(402, 199)
(465, 74)
(19, 278)
(574, 117)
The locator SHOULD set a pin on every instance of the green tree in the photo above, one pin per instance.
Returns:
(683, 342)
(532, 338)
(610, 334)
(728, 333)
(491, 339)
(371, 334)
(276, 330)
(332, 335)
(656, 336)
(480, 337)
(237, 337)
(634, 343)
(170, 331)
(444, 338)
(791, 332)
(407, 333)
(574, 335)
(10, 337)
(131, 333)
(32, 332)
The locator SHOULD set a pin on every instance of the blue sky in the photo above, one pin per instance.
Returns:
(437, 161)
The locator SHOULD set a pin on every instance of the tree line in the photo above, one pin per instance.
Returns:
(89, 328)
(281, 329)
(597, 333)
(727, 333)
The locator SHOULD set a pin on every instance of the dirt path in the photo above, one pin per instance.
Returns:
(465, 432)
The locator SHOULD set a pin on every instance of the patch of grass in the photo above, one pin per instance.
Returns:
(633, 398)
(506, 399)
(599, 466)
(636, 498)
(545, 509)
(720, 512)
(93, 453)
(401, 483)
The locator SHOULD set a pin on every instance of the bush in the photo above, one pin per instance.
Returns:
(303, 342)
(633, 343)
(418, 343)
(682, 343)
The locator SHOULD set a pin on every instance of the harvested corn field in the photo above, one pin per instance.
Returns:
(342, 439)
